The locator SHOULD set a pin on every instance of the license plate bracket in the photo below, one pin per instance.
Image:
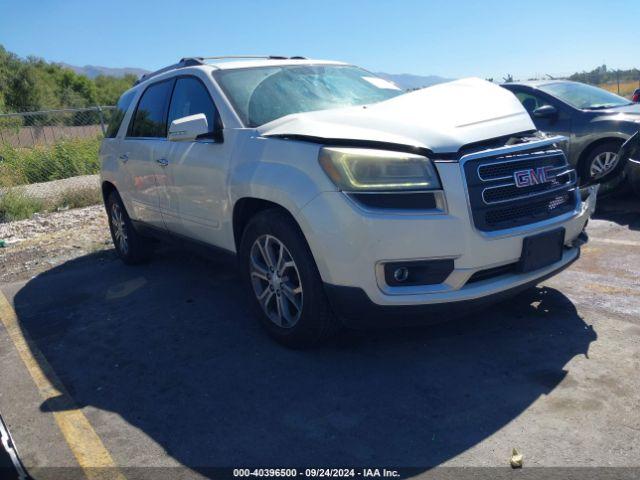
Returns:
(541, 250)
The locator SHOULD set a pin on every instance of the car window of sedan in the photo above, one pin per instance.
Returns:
(531, 102)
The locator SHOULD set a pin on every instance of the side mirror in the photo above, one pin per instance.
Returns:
(546, 111)
(188, 129)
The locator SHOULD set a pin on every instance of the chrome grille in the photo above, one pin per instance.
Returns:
(498, 201)
(504, 169)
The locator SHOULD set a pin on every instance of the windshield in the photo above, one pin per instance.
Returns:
(260, 95)
(584, 96)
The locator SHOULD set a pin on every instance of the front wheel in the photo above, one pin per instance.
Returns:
(600, 162)
(283, 281)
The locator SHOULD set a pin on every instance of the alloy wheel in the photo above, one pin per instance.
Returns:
(276, 281)
(602, 164)
(119, 228)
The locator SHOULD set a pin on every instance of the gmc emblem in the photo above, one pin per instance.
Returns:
(532, 176)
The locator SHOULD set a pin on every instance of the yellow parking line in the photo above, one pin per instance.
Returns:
(84, 442)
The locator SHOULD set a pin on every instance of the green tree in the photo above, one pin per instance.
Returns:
(33, 84)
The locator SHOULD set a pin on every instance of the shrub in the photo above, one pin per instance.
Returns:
(64, 159)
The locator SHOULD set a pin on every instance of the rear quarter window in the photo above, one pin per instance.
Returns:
(118, 114)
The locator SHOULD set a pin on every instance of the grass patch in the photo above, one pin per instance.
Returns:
(82, 197)
(42, 163)
(626, 88)
(15, 206)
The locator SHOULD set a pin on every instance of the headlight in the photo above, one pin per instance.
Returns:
(362, 169)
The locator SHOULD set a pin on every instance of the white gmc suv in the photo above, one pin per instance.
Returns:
(346, 200)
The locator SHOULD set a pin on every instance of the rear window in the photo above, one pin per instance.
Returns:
(118, 114)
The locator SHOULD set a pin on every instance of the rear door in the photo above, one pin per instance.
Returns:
(195, 197)
(141, 150)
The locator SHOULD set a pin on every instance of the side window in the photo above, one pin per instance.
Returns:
(190, 97)
(531, 102)
(149, 119)
(118, 114)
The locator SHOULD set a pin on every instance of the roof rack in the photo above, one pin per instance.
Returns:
(265, 57)
(184, 62)
(193, 61)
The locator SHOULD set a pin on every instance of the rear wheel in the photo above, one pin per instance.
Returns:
(130, 246)
(283, 280)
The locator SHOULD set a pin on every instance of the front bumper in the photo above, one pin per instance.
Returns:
(350, 244)
(356, 310)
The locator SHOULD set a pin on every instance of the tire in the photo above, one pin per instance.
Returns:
(599, 154)
(130, 246)
(277, 266)
(634, 180)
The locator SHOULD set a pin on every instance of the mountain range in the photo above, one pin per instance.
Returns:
(92, 71)
(405, 81)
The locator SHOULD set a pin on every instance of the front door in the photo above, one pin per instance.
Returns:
(194, 199)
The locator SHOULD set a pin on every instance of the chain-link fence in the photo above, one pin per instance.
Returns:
(49, 159)
(29, 129)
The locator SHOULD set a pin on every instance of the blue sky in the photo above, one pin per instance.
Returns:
(449, 38)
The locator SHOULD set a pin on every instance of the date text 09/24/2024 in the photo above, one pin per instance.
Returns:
(315, 472)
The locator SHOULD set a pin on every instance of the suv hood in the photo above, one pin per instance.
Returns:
(441, 118)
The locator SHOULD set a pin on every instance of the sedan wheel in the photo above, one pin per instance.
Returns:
(276, 281)
(602, 164)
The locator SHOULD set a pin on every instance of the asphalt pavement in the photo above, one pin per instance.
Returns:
(172, 373)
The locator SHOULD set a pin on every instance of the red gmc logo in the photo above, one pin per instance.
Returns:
(532, 176)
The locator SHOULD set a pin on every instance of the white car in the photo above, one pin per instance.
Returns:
(347, 200)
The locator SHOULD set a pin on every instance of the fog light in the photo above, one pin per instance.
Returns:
(401, 274)
(421, 272)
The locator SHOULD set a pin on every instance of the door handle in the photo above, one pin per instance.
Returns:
(163, 162)
(124, 157)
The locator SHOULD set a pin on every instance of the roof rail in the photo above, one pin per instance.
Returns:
(265, 57)
(192, 61)
(184, 62)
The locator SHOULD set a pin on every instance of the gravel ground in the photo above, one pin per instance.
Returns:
(56, 188)
(34, 245)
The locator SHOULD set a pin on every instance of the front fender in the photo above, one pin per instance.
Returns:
(285, 172)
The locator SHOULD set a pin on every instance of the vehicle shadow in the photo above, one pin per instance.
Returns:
(172, 348)
(621, 209)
